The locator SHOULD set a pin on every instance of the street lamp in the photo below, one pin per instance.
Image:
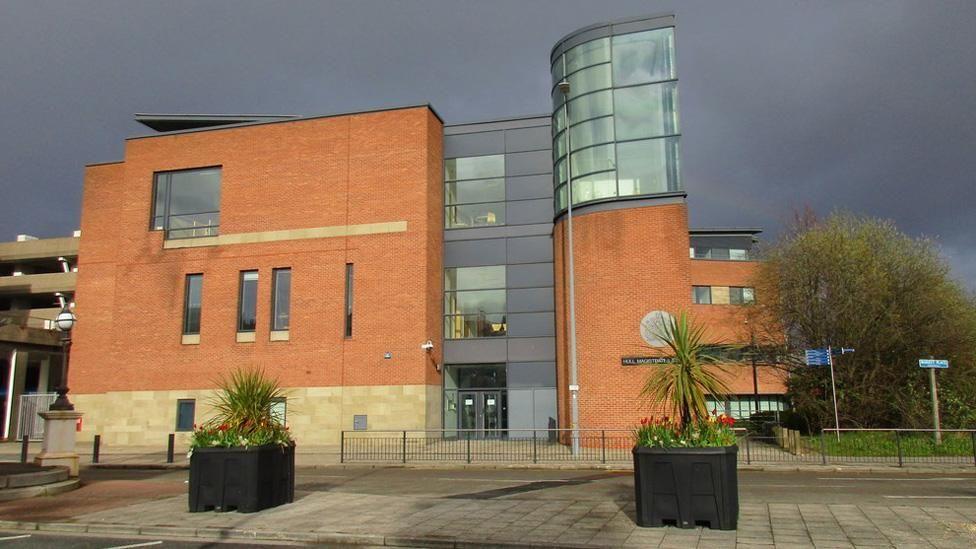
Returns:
(573, 374)
(65, 321)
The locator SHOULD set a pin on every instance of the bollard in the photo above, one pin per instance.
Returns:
(823, 447)
(745, 439)
(535, 451)
(342, 446)
(24, 446)
(603, 445)
(404, 447)
(96, 448)
(898, 444)
(469, 446)
(170, 444)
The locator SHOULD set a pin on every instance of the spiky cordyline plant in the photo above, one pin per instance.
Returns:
(684, 383)
(245, 400)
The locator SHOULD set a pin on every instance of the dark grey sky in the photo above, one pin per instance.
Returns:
(867, 106)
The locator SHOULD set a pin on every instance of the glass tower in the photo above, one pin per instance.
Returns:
(622, 112)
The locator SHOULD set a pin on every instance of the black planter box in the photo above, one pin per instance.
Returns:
(245, 479)
(687, 487)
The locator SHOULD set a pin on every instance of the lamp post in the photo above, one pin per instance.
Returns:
(573, 374)
(65, 321)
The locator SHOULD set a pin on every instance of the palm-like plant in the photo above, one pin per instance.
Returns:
(684, 383)
(245, 400)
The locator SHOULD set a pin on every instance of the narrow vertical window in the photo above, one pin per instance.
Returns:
(185, 411)
(248, 302)
(192, 303)
(349, 272)
(280, 299)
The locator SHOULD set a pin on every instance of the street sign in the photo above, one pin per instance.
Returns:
(844, 350)
(818, 357)
(933, 363)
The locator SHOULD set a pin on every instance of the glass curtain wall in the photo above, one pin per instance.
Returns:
(474, 302)
(474, 191)
(622, 118)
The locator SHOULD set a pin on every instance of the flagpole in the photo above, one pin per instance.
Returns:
(833, 387)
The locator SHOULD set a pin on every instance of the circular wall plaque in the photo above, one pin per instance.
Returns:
(652, 324)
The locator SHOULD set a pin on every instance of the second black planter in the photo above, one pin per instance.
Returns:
(245, 479)
(687, 487)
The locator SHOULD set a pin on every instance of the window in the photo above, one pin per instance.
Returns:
(724, 254)
(185, 410)
(702, 295)
(280, 299)
(743, 406)
(741, 296)
(474, 302)
(279, 410)
(192, 303)
(646, 111)
(588, 53)
(186, 204)
(474, 191)
(738, 254)
(648, 166)
(643, 57)
(247, 303)
(349, 276)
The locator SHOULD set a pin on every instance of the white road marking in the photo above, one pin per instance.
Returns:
(505, 480)
(929, 497)
(147, 544)
(15, 537)
(896, 479)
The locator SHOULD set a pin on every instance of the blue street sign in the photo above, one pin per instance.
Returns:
(818, 357)
(932, 363)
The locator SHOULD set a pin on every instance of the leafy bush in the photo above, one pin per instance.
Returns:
(698, 433)
(244, 417)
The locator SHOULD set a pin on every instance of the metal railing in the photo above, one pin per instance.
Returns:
(29, 422)
(496, 445)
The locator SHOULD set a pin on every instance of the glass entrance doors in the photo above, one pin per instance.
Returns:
(481, 411)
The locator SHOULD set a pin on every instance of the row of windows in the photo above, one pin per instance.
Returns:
(722, 295)
(725, 254)
(186, 409)
(743, 406)
(474, 191)
(474, 302)
(638, 57)
(246, 302)
(186, 203)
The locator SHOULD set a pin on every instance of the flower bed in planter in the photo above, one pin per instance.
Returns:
(245, 479)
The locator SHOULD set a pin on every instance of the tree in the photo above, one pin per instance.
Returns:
(859, 282)
(684, 383)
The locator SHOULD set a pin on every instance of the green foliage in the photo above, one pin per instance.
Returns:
(885, 444)
(859, 282)
(244, 415)
(684, 383)
(667, 432)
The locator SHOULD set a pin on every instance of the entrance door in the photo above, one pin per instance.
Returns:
(480, 411)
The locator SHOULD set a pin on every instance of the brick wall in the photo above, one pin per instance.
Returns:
(345, 170)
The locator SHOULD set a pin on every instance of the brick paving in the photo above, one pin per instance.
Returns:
(365, 518)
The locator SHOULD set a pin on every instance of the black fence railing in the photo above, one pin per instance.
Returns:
(896, 447)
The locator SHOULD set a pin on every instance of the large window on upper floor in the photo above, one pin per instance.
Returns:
(474, 302)
(186, 203)
(474, 191)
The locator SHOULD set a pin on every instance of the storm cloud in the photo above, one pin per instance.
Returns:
(863, 106)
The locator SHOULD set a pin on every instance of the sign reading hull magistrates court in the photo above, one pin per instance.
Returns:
(641, 360)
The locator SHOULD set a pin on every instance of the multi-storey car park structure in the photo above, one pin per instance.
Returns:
(395, 272)
(37, 277)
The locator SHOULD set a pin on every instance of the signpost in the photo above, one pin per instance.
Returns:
(932, 365)
(825, 357)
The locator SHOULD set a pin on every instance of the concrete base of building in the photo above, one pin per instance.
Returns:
(314, 415)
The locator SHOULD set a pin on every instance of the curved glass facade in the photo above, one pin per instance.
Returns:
(622, 115)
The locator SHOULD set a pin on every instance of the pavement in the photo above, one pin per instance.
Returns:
(417, 507)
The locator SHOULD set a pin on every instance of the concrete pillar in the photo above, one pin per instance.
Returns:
(59, 440)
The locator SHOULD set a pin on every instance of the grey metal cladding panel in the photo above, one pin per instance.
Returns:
(531, 324)
(531, 249)
(530, 300)
(528, 163)
(532, 275)
(741, 242)
(529, 186)
(475, 351)
(531, 374)
(528, 139)
(528, 212)
(532, 349)
(474, 144)
(468, 253)
(510, 231)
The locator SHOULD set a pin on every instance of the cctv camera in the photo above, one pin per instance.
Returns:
(427, 345)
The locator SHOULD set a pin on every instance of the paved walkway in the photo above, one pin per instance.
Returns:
(526, 510)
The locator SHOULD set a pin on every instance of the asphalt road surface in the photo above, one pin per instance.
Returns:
(34, 540)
